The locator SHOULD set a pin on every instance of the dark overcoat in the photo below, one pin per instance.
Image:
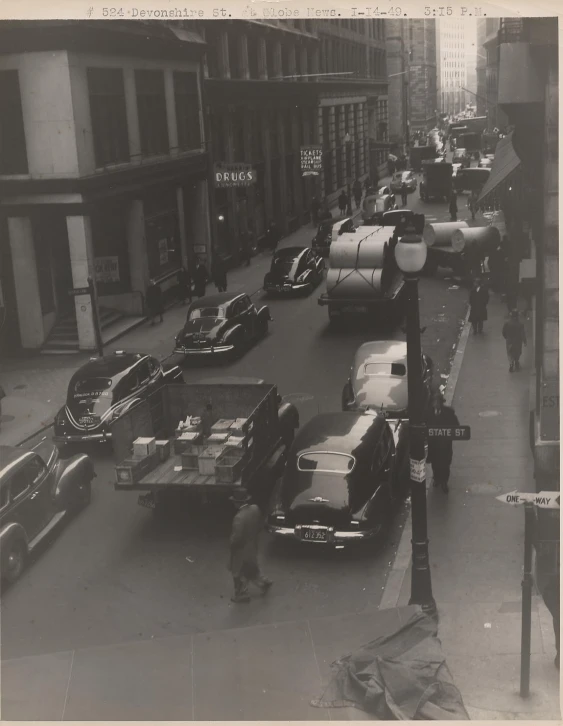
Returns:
(440, 450)
(478, 301)
(248, 523)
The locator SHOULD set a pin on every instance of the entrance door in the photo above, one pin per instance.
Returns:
(53, 236)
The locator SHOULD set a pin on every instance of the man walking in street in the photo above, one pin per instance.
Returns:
(515, 335)
(478, 301)
(404, 194)
(201, 278)
(342, 202)
(184, 285)
(440, 450)
(248, 523)
(219, 272)
(154, 301)
(357, 191)
(472, 203)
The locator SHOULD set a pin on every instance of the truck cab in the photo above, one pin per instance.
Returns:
(436, 181)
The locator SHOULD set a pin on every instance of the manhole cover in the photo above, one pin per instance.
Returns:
(489, 414)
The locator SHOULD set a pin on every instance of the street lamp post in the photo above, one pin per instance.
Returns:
(410, 253)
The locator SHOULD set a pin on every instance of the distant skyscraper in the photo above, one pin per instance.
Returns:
(457, 59)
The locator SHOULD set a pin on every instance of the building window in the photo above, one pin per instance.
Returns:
(151, 105)
(13, 153)
(109, 119)
(187, 110)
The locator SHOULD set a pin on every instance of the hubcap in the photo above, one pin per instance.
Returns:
(14, 560)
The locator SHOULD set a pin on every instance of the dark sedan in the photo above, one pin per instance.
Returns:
(106, 388)
(226, 323)
(294, 269)
(37, 490)
(340, 481)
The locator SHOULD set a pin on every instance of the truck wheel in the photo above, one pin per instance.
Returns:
(13, 560)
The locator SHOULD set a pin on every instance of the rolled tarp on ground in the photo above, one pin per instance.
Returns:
(462, 239)
(361, 284)
(357, 253)
(440, 234)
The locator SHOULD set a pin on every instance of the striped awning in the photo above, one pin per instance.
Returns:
(506, 166)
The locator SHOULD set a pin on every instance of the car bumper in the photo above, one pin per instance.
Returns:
(213, 350)
(334, 536)
(283, 289)
(79, 438)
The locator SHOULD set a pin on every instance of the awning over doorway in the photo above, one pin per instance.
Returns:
(505, 166)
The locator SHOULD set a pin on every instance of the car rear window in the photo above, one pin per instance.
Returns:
(327, 461)
(207, 313)
(92, 388)
(385, 369)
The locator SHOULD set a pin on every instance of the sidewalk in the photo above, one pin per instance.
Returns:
(477, 543)
(36, 385)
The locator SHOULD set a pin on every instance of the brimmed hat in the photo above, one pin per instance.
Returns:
(240, 496)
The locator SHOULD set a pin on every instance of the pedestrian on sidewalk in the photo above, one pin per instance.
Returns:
(514, 333)
(440, 450)
(154, 301)
(357, 190)
(219, 272)
(248, 523)
(246, 247)
(472, 204)
(404, 194)
(342, 202)
(184, 285)
(272, 236)
(551, 598)
(495, 263)
(453, 207)
(478, 301)
(201, 278)
(315, 208)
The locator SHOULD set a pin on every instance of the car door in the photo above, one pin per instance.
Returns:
(30, 496)
(248, 316)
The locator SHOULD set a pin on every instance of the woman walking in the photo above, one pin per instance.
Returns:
(515, 335)
(478, 301)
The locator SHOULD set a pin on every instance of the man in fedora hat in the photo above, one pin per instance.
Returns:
(247, 525)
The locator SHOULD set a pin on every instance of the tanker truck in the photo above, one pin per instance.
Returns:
(458, 247)
(363, 278)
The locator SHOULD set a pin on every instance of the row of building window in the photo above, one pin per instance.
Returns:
(106, 92)
(338, 56)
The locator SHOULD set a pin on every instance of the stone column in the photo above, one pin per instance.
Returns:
(30, 314)
(265, 131)
(171, 120)
(333, 142)
(182, 226)
(244, 56)
(277, 59)
(82, 263)
(304, 65)
(292, 61)
(132, 115)
(224, 66)
(262, 64)
(137, 245)
(283, 175)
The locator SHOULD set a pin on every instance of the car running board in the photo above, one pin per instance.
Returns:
(49, 528)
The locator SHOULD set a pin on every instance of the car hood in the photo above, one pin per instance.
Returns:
(279, 275)
(381, 392)
(210, 327)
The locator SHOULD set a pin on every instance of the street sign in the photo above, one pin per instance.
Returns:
(544, 500)
(460, 433)
(418, 470)
(311, 160)
(79, 291)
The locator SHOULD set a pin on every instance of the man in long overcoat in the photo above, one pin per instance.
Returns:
(248, 523)
(201, 278)
(154, 301)
(440, 450)
(478, 301)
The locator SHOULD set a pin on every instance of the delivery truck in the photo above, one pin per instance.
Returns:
(418, 154)
(436, 181)
(203, 440)
(457, 247)
(363, 278)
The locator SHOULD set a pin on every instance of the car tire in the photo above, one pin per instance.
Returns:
(13, 560)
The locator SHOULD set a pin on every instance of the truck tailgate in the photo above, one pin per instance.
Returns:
(165, 475)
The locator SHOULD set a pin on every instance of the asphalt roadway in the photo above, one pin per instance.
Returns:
(116, 574)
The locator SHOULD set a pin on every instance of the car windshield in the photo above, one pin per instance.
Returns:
(284, 264)
(326, 461)
(385, 368)
(207, 313)
(92, 388)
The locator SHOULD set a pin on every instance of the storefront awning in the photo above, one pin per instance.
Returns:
(505, 165)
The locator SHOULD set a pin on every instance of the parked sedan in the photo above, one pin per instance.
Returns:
(378, 379)
(408, 177)
(294, 269)
(37, 490)
(340, 481)
(461, 156)
(226, 323)
(104, 389)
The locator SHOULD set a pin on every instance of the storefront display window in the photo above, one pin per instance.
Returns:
(111, 253)
(162, 234)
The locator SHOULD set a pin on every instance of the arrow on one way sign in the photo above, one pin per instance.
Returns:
(544, 500)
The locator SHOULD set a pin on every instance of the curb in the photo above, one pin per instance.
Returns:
(402, 561)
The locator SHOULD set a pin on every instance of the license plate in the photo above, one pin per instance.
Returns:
(313, 534)
(88, 420)
(147, 500)
(355, 309)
